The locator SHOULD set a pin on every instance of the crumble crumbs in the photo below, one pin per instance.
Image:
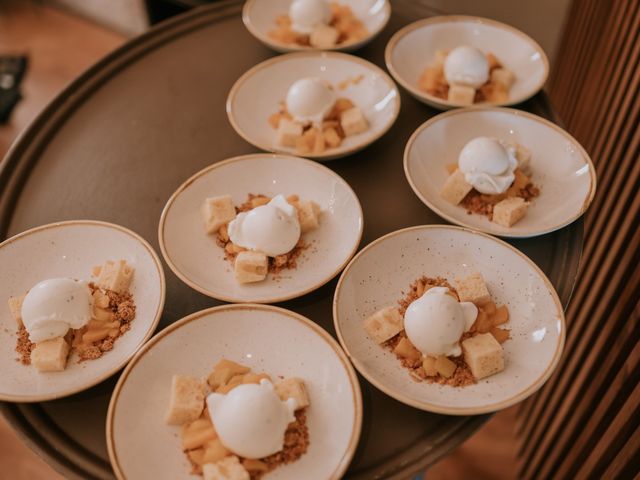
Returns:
(296, 444)
(24, 346)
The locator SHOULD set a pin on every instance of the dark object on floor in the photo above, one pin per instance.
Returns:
(12, 70)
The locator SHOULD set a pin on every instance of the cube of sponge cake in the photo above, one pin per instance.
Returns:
(324, 36)
(217, 211)
(483, 354)
(293, 388)
(384, 324)
(509, 211)
(308, 215)
(455, 188)
(251, 266)
(115, 276)
(228, 468)
(50, 355)
(353, 122)
(187, 400)
(15, 307)
(473, 289)
(461, 95)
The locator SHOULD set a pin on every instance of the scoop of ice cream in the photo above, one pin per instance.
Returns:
(435, 322)
(251, 419)
(488, 164)
(310, 100)
(306, 15)
(273, 228)
(55, 305)
(466, 66)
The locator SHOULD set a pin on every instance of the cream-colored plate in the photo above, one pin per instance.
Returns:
(560, 167)
(382, 271)
(249, 108)
(71, 249)
(413, 48)
(196, 259)
(259, 16)
(265, 338)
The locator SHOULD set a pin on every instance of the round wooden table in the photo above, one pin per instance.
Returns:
(119, 140)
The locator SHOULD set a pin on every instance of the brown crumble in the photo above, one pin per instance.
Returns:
(24, 346)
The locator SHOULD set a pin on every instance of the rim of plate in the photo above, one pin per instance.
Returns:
(147, 335)
(454, 19)
(239, 158)
(519, 113)
(430, 407)
(248, 23)
(331, 153)
(353, 379)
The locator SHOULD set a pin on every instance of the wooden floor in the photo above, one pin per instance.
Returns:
(60, 46)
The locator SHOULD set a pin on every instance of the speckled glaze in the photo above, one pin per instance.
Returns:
(414, 47)
(559, 166)
(72, 249)
(382, 271)
(248, 108)
(197, 260)
(259, 16)
(267, 339)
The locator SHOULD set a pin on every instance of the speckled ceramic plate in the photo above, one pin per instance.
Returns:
(198, 261)
(413, 48)
(72, 249)
(259, 16)
(559, 166)
(377, 96)
(380, 273)
(267, 339)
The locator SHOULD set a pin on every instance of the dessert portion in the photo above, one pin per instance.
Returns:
(59, 316)
(318, 24)
(446, 335)
(261, 235)
(239, 425)
(465, 76)
(313, 119)
(492, 178)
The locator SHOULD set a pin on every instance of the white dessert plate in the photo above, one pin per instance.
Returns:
(560, 167)
(383, 270)
(267, 339)
(72, 249)
(259, 16)
(198, 261)
(413, 48)
(249, 108)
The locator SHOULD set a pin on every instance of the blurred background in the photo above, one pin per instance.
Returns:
(585, 422)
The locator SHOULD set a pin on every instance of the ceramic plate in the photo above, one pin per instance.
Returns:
(259, 16)
(195, 257)
(413, 48)
(265, 338)
(382, 271)
(71, 249)
(375, 94)
(559, 165)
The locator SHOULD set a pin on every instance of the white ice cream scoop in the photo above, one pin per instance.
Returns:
(53, 306)
(310, 100)
(466, 66)
(251, 419)
(273, 228)
(435, 322)
(488, 164)
(306, 15)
